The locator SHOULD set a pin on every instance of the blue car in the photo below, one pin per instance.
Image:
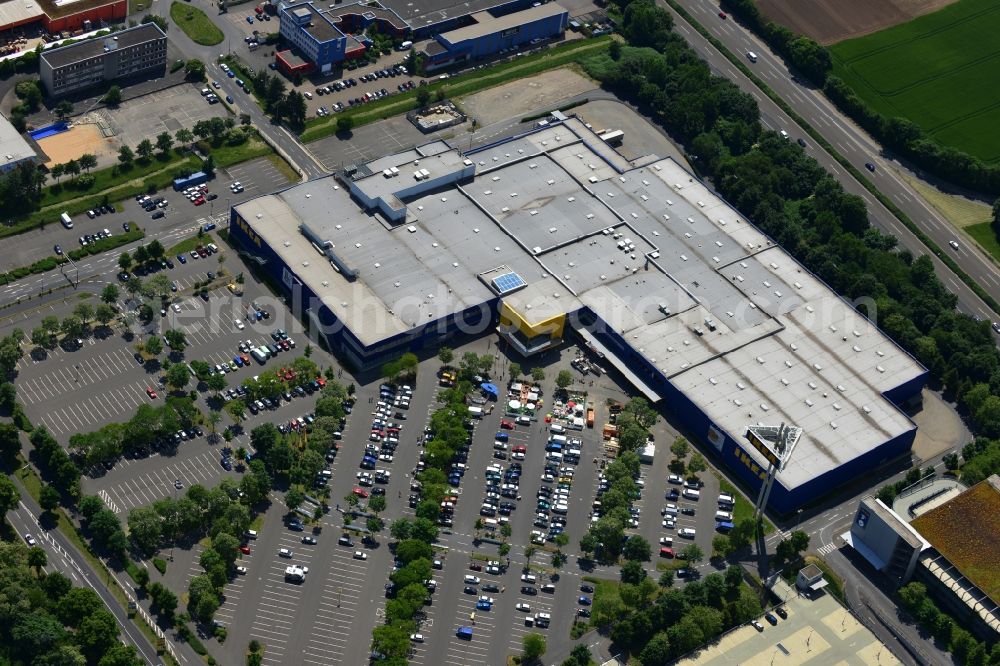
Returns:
(584, 601)
(455, 480)
(229, 98)
(484, 605)
(231, 74)
(249, 19)
(238, 361)
(181, 258)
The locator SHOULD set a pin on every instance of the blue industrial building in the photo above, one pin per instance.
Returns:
(554, 231)
(488, 34)
(325, 37)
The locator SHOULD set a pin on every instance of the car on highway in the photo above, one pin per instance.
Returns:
(722, 15)
(30, 540)
(953, 244)
(801, 142)
(751, 56)
(870, 166)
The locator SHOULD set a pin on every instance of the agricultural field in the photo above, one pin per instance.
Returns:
(830, 21)
(938, 70)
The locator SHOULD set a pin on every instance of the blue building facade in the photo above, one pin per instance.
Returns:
(313, 35)
(338, 336)
(492, 33)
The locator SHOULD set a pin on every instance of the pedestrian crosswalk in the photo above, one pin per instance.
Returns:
(827, 549)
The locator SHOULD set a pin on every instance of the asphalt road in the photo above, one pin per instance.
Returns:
(64, 557)
(851, 142)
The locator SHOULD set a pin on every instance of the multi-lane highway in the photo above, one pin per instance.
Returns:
(850, 141)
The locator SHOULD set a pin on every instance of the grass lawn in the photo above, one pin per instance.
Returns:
(931, 70)
(62, 191)
(743, 509)
(195, 24)
(284, 167)
(464, 84)
(189, 244)
(983, 234)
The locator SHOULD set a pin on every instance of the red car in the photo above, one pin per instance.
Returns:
(506, 425)
(722, 15)
(245, 549)
(360, 492)
(150, 392)
(199, 201)
(321, 382)
(476, 566)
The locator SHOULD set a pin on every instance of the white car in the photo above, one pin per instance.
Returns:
(675, 479)
(487, 599)
(524, 608)
(284, 552)
(30, 540)
(239, 324)
(416, 638)
(241, 570)
(669, 524)
(360, 555)
(176, 307)
(686, 532)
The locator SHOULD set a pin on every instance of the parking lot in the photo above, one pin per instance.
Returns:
(370, 141)
(161, 111)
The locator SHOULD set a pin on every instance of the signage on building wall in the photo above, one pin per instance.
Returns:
(251, 234)
(716, 438)
(511, 31)
(763, 447)
(754, 468)
(289, 278)
(862, 518)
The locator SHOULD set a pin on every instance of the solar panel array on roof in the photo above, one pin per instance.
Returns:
(508, 282)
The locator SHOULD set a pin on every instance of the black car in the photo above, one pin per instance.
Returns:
(138, 357)
(530, 591)
(491, 587)
(782, 613)
(870, 166)
(587, 588)
(770, 618)
(469, 589)
(583, 612)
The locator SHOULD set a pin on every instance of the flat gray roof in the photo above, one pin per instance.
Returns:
(429, 12)
(13, 146)
(19, 11)
(65, 55)
(487, 24)
(730, 318)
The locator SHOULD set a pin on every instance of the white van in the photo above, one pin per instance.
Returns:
(751, 56)
(691, 494)
(557, 429)
(406, 46)
(490, 525)
(724, 516)
(66, 220)
(725, 499)
(561, 508)
(476, 412)
(553, 456)
(558, 439)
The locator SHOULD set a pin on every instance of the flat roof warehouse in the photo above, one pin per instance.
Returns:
(694, 291)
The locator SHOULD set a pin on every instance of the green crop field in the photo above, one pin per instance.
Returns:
(939, 70)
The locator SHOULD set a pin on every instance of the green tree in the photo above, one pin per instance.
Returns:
(637, 549)
(446, 355)
(64, 109)
(632, 573)
(9, 495)
(153, 345)
(48, 498)
(176, 339)
(345, 124)
(533, 647)
(537, 373)
(657, 651)
(515, 370)
(145, 149)
(693, 554)
(178, 376)
(164, 142)
(88, 162)
(126, 155)
(564, 379)
(113, 96)
(697, 464)
(194, 69)
(294, 498)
